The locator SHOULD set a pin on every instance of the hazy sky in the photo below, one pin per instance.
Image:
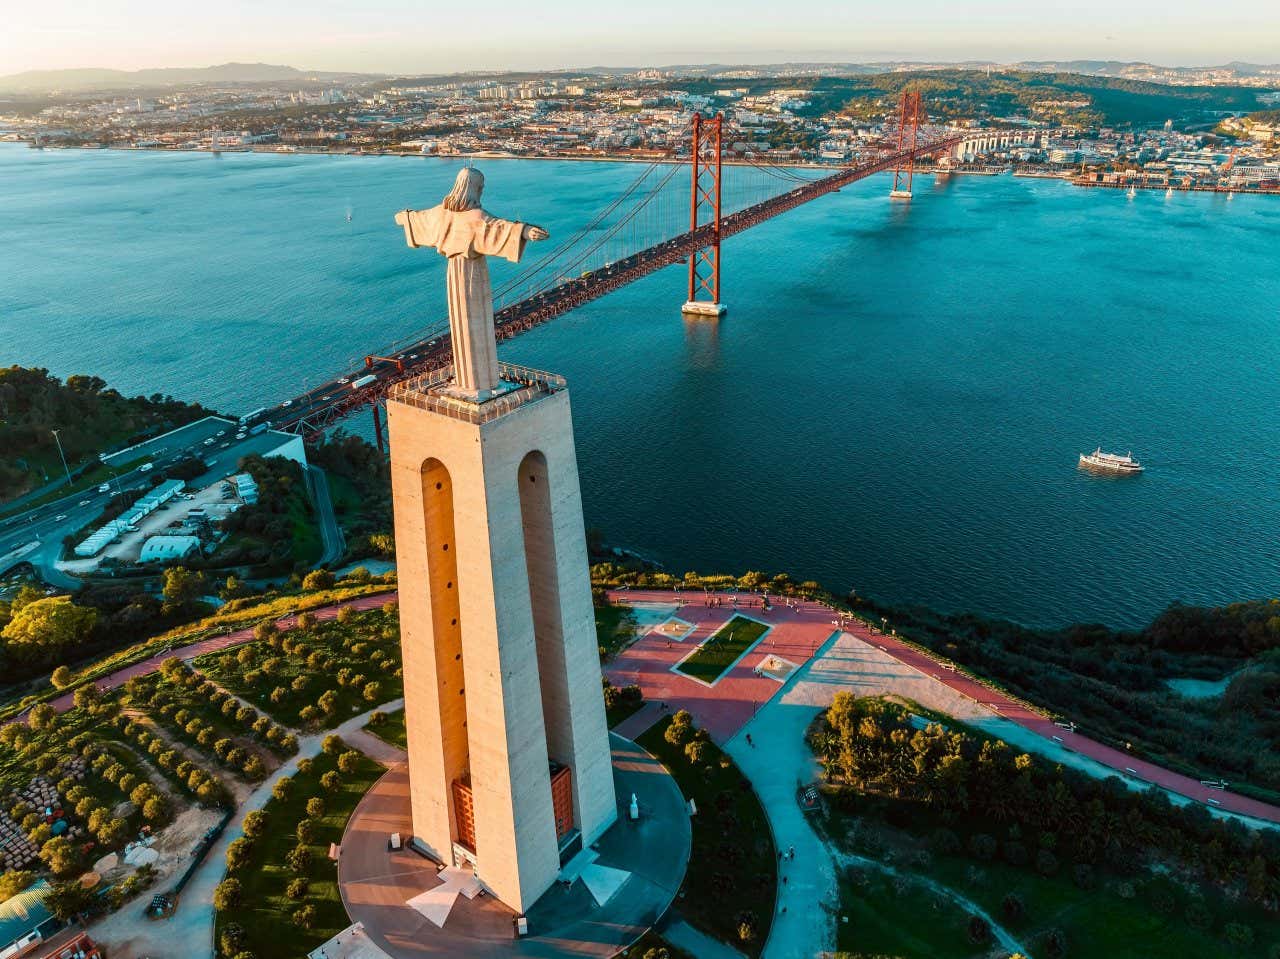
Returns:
(445, 35)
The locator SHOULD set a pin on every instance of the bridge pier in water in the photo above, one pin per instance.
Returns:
(704, 211)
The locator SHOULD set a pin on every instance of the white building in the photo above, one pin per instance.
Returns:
(162, 549)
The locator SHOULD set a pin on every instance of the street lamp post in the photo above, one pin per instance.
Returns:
(65, 469)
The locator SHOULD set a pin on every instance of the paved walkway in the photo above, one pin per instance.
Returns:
(726, 707)
(777, 762)
(188, 934)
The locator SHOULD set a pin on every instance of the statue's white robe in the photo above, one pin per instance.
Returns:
(466, 239)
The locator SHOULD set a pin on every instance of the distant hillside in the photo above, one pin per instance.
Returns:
(84, 80)
(89, 416)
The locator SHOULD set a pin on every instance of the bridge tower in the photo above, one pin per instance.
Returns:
(910, 112)
(704, 211)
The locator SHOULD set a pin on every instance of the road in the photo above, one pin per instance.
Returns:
(212, 439)
(330, 532)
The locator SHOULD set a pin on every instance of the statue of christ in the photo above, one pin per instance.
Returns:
(466, 235)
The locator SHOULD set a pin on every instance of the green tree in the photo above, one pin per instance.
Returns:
(349, 761)
(318, 579)
(333, 744)
(315, 807)
(14, 881)
(182, 586)
(66, 900)
(239, 854)
(231, 939)
(44, 629)
(61, 677)
(304, 916)
(41, 716)
(60, 856)
(283, 788)
(299, 859)
(228, 895)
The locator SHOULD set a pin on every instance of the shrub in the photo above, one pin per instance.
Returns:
(1013, 906)
(979, 931)
(747, 926)
(678, 734)
(299, 859)
(982, 847)
(61, 677)
(239, 854)
(228, 895)
(1055, 943)
(697, 752)
(306, 620)
(304, 916)
(231, 939)
(1238, 934)
(255, 823)
(318, 579)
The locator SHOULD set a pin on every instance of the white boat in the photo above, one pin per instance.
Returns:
(1132, 192)
(1110, 462)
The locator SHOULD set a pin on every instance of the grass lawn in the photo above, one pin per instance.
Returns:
(900, 919)
(621, 711)
(710, 660)
(615, 628)
(733, 866)
(391, 730)
(1143, 915)
(266, 913)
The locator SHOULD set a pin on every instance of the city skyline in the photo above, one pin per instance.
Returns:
(393, 36)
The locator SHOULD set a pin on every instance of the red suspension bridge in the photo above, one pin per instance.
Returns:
(639, 232)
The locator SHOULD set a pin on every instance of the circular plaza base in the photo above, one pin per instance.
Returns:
(376, 884)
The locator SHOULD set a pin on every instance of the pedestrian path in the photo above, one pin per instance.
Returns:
(798, 632)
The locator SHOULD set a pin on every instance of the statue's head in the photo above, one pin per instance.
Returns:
(465, 194)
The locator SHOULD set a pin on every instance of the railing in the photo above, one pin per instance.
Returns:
(427, 392)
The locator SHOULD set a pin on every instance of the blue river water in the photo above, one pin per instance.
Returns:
(895, 401)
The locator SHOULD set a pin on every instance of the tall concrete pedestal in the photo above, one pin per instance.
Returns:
(501, 670)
